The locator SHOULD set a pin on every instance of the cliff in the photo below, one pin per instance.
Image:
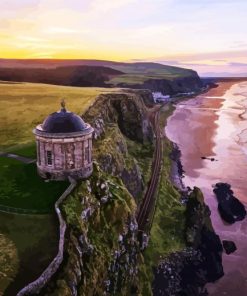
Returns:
(142, 75)
(68, 76)
(186, 272)
(119, 120)
(103, 254)
(187, 84)
(102, 251)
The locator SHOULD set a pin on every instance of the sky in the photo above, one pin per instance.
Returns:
(209, 36)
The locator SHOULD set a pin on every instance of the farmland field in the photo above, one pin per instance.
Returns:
(24, 105)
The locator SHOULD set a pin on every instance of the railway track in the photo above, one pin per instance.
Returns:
(148, 202)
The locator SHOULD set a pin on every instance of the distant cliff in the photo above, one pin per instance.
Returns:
(153, 76)
(188, 84)
(68, 76)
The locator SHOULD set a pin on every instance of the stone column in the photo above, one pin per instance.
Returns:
(78, 154)
(42, 153)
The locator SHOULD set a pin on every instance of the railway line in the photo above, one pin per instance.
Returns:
(148, 203)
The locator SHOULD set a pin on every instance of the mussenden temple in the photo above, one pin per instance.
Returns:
(64, 146)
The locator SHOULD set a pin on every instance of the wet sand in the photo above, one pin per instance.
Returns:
(215, 125)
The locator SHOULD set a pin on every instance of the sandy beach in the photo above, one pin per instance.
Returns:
(214, 125)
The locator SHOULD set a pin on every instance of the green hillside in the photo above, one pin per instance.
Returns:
(24, 105)
(137, 73)
(134, 73)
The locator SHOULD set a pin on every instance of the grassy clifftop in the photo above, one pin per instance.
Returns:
(24, 105)
(137, 73)
(102, 248)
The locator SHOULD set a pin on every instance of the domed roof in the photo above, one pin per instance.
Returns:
(63, 121)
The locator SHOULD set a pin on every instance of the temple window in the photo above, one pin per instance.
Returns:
(49, 157)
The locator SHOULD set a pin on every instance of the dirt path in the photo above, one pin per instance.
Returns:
(23, 159)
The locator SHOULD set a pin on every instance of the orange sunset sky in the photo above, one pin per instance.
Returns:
(208, 36)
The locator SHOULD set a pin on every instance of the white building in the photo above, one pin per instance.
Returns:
(160, 98)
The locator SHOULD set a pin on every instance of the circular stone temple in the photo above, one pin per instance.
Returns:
(64, 146)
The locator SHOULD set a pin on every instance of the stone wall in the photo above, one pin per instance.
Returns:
(35, 287)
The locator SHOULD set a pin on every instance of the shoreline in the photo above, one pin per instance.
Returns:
(207, 107)
(198, 258)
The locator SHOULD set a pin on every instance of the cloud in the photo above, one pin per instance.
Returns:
(233, 64)
(239, 44)
(190, 57)
(220, 61)
(106, 5)
(31, 39)
(42, 55)
(17, 4)
(61, 30)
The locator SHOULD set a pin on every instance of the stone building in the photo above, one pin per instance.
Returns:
(64, 146)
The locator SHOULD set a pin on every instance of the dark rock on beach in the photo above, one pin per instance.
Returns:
(208, 158)
(229, 246)
(230, 208)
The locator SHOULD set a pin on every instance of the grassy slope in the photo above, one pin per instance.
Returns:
(21, 187)
(102, 228)
(138, 73)
(27, 245)
(24, 105)
(167, 233)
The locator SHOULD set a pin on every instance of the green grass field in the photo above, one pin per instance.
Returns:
(24, 105)
(138, 73)
(21, 187)
(27, 150)
(27, 246)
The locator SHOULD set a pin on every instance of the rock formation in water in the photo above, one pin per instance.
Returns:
(229, 246)
(230, 208)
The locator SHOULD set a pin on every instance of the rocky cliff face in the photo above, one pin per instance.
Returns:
(188, 271)
(118, 118)
(190, 83)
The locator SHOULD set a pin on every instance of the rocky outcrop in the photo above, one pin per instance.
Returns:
(101, 248)
(230, 208)
(201, 236)
(187, 272)
(127, 109)
(187, 84)
(229, 246)
(115, 118)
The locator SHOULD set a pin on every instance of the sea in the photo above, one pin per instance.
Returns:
(214, 125)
